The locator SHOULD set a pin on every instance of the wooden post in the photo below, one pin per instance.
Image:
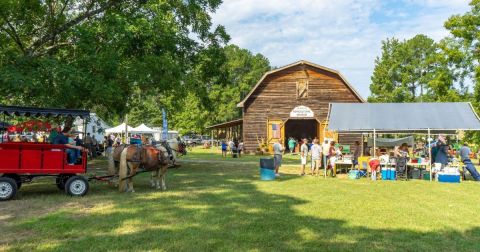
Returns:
(374, 143)
(429, 154)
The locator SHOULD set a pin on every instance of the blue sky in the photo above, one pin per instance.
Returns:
(343, 34)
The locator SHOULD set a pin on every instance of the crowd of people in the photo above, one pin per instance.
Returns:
(322, 156)
(233, 146)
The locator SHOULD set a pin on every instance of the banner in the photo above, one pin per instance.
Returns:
(165, 125)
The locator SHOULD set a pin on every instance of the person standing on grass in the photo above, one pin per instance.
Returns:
(325, 150)
(303, 155)
(291, 144)
(316, 156)
(94, 147)
(88, 144)
(224, 149)
(240, 148)
(356, 153)
(277, 156)
(465, 157)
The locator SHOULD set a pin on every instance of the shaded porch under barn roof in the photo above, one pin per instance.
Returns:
(227, 130)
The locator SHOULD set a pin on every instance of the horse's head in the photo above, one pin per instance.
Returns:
(163, 156)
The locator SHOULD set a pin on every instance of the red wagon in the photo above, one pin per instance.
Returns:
(21, 162)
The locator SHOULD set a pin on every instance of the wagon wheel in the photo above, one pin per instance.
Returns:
(17, 179)
(76, 186)
(8, 188)
(61, 181)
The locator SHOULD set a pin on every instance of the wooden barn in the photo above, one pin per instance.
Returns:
(293, 101)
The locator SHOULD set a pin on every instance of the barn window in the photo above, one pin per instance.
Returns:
(302, 88)
(276, 131)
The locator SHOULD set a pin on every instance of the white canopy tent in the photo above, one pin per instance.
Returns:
(120, 129)
(143, 129)
(426, 118)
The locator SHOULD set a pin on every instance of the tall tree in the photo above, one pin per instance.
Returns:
(100, 54)
(466, 38)
(415, 70)
(230, 73)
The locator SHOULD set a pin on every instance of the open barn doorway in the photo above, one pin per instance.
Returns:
(299, 129)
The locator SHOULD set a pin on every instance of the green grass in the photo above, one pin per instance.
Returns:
(222, 206)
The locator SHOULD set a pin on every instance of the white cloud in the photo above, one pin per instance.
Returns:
(344, 35)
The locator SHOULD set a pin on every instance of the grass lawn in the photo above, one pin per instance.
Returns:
(216, 203)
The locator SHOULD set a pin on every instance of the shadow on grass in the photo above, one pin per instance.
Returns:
(207, 209)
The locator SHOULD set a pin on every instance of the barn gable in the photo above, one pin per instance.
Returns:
(299, 75)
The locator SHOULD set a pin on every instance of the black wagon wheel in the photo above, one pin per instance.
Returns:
(61, 181)
(76, 186)
(8, 188)
(17, 179)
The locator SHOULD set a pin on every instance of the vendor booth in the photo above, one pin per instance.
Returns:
(407, 118)
(143, 129)
(120, 129)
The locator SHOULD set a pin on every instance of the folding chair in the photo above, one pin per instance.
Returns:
(364, 169)
(401, 168)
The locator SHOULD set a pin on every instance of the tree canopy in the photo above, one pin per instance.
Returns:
(416, 70)
(102, 54)
(238, 73)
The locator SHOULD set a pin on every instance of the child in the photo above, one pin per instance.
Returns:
(374, 164)
(224, 149)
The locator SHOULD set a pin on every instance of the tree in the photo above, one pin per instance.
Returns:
(100, 54)
(417, 69)
(466, 38)
(230, 72)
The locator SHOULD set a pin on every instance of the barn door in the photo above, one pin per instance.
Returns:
(275, 131)
(325, 134)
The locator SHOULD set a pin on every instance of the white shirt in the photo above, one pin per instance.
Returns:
(325, 147)
(316, 151)
(277, 149)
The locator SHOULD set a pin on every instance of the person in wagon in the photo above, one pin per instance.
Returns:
(72, 150)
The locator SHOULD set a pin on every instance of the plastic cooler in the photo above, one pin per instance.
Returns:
(389, 174)
(415, 174)
(354, 174)
(267, 169)
(448, 178)
(426, 175)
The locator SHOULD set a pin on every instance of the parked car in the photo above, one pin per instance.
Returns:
(209, 139)
(192, 140)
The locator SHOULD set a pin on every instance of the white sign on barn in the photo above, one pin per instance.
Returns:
(301, 112)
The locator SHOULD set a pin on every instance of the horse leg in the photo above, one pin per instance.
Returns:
(163, 172)
(153, 175)
(132, 172)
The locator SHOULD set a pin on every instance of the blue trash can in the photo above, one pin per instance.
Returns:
(267, 163)
(267, 174)
(267, 169)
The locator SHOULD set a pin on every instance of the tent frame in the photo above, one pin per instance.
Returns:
(428, 132)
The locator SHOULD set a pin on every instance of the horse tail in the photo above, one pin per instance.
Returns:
(123, 172)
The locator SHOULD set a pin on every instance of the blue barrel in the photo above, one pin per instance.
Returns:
(267, 169)
(267, 174)
(267, 163)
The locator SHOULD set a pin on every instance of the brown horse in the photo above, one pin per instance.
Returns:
(130, 158)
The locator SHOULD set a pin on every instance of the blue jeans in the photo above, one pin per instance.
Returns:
(72, 155)
(471, 168)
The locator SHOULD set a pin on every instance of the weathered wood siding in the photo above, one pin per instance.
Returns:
(276, 97)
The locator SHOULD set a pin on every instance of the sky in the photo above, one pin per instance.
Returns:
(344, 35)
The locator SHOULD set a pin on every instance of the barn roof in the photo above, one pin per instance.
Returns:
(301, 62)
(228, 124)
